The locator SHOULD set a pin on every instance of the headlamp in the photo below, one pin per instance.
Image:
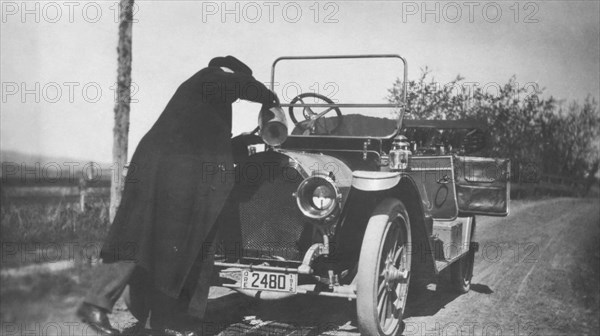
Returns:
(399, 154)
(317, 197)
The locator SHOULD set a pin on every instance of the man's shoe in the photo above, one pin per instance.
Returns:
(96, 318)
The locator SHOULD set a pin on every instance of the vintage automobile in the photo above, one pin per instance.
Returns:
(358, 206)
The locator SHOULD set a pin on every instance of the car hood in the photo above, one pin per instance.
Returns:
(309, 164)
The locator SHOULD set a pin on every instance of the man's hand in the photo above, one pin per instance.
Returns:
(273, 101)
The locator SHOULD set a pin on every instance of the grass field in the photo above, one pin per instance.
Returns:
(50, 229)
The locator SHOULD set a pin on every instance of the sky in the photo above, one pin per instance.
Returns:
(58, 59)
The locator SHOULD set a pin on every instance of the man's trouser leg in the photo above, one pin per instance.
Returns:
(190, 306)
(180, 313)
(165, 311)
(109, 284)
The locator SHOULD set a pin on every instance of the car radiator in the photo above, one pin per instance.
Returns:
(271, 225)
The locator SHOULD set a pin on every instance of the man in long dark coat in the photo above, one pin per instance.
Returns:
(178, 180)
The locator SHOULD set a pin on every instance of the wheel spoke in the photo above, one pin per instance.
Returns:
(400, 297)
(391, 307)
(386, 252)
(385, 258)
(398, 253)
(381, 288)
(394, 236)
(394, 297)
(386, 308)
(381, 303)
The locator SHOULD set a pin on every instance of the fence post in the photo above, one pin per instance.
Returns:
(82, 193)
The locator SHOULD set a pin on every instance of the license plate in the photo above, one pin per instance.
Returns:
(269, 281)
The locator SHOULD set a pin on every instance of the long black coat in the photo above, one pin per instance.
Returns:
(179, 178)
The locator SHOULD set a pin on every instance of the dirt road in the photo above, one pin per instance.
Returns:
(537, 273)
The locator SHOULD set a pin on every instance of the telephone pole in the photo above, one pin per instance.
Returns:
(123, 98)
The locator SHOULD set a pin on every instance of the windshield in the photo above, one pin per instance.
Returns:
(338, 95)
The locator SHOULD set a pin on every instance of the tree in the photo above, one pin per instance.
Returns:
(523, 127)
(122, 104)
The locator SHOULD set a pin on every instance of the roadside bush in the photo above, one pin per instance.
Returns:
(562, 139)
(38, 221)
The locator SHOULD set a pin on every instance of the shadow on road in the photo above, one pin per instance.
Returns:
(482, 289)
(306, 315)
(309, 315)
(426, 302)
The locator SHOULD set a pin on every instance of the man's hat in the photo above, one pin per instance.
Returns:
(232, 63)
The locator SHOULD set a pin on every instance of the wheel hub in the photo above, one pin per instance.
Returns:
(392, 274)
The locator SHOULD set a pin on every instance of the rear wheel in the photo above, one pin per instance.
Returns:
(384, 270)
(461, 272)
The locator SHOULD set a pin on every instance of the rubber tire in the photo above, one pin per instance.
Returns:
(461, 272)
(368, 266)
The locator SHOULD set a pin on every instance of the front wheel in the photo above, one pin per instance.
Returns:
(384, 270)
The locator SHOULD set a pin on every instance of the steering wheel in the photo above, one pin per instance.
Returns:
(312, 122)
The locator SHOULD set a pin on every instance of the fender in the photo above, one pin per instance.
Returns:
(402, 186)
(374, 180)
(421, 225)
